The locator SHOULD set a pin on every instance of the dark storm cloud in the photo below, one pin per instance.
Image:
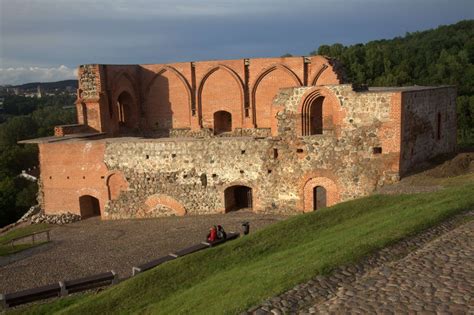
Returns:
(47, 34)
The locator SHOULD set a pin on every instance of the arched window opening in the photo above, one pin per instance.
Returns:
(125, 110)
(89, 206)
(312, 117)
(238, 197)
(319, 197)
(222, 122)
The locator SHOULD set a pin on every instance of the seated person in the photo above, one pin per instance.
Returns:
(212, 235)
(221, 234)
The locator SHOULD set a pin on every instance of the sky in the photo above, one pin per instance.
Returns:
(45, 40)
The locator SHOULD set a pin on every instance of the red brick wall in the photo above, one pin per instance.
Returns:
(70, 170)
(186, 95)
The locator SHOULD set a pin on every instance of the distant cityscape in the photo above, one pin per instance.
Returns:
(40, 89)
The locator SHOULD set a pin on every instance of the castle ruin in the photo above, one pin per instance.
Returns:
(276, 135)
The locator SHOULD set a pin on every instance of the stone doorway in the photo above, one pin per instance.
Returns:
(89, 206)
(319, 197)
(222, 122)
(238, 197)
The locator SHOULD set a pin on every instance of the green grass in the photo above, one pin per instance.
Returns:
(7, 249)
(22, 231)
(237, 275)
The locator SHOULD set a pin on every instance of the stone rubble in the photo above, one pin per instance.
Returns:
(31, 212)
(343, 283)
(59, 219)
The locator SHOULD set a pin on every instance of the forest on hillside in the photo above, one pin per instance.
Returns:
(442, 56)
(25, 118)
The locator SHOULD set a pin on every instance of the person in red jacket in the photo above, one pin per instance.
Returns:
(211, 237)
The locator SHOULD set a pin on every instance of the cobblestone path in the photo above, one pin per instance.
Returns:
(432, 272)
(436, 278)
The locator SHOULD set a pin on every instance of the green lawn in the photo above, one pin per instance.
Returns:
(7, 249)
(237, 275)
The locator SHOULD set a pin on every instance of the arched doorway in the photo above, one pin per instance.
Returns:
(125, 108)
(237, 197)
(222, 122)
(89, 206)
(319, 197)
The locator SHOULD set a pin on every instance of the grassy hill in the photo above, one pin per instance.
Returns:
(233, 277)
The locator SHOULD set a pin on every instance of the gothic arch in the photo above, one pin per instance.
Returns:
(174, 71)
(260, 78)
(130, 87)
(174, 107)
(234, 75)
(315, 78)
(332, 112)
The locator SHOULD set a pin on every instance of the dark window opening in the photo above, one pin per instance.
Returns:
(147, 156)
(269, 171)
(242, 152)
(312, 117)
(203, 179)
(125, 107)
(275, 153)
(438, 125)
(237, 197)
(222, 122)
(319, 197)
(377, 150)
(299, 150)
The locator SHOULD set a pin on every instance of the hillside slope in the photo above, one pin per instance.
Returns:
(237, 275)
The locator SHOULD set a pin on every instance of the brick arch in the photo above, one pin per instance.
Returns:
(318, 74)
(332, 111)
(116, 183)
(262, 109)
(123, 82)
(165, 200)
(311, 180)
(206, 114)
(174, 114)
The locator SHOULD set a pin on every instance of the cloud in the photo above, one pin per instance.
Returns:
(47, 33)
(21, 75)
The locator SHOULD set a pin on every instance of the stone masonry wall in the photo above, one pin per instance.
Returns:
(423, 111)
(195, 172)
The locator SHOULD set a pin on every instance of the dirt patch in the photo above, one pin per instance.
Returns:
(435, 176)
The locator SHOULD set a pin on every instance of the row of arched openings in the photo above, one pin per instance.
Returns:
(235, 198)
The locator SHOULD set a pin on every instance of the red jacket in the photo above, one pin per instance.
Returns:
(211, 237)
